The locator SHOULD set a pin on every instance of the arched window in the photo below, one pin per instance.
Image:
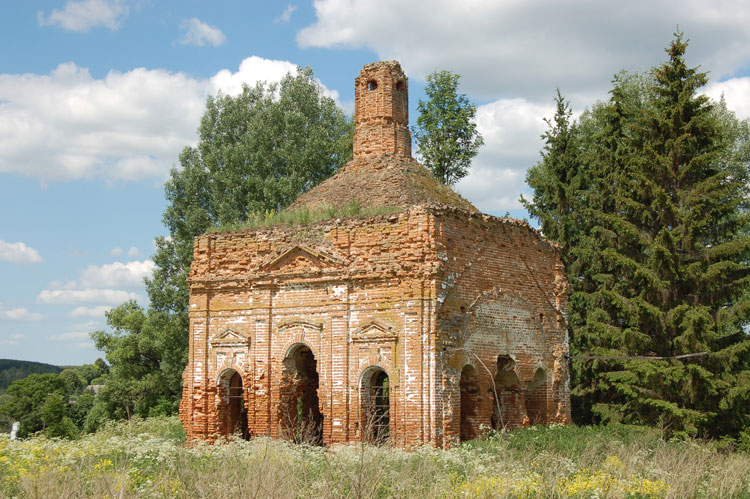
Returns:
(376, 406)
(233, 413)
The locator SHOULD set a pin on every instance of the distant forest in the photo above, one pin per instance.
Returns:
(11, 370)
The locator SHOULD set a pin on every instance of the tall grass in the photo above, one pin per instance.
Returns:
(149, 458)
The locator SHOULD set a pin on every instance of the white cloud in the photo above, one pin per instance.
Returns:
(71, 336)
(85, 326)
(134, 252)
(88, 296)
(117, 274)
(125, 126)
(86, 14)
(511, 49)
(18, 252)
(68, 125)
(19, 314)
(511, 129)
(116, 251)
(84, 311)
(736, 92)
(77, 252)
(200, 34)
(285, 16)
(11, 339)
(251, 70)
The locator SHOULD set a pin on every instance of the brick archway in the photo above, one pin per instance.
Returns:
(375, 405)
(469, 388)
(299, 415)
(231, 406)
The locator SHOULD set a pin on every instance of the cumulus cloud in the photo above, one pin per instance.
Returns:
(117, 274)
(736, 93)
(116, 251)
(134, 252)
(68, 125)
(84, 311)
(125, 126)
(77, 296)
(86, 14)
(511, 49)
(285, 16)
(200, 34)
(19, 314)
(511, 129)
(18, 252)
(251, 70)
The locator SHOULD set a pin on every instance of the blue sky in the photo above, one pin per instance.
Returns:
(97, 98)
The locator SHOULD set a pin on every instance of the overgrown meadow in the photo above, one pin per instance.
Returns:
(149, 458)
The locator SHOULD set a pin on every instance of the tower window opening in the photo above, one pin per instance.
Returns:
(372, 85)
(400, 85)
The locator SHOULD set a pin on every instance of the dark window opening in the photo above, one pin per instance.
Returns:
(300, 416)
(236, 413)
(372, 85)
(470, 403)
(377, 408)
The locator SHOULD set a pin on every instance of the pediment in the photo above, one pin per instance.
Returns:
(375, 331)
(230, 338)
(298, 322)
(300, 257)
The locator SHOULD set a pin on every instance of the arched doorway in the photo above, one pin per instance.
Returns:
(376, 406)
(536, 398)
(470, 403)
(510, 407)
(234, 417)
(299, 408)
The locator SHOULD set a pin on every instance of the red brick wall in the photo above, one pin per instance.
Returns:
(381, 111)
(501, 292)
(357, 292)
(399, 292)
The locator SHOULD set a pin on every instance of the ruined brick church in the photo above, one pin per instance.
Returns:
(428, 323)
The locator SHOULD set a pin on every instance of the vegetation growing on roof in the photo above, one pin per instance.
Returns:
(305, 216)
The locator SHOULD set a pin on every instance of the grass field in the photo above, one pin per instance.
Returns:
(149, 458)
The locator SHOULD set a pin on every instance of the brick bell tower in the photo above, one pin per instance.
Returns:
(381, 95)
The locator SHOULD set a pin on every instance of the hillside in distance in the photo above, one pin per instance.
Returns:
(11, 370)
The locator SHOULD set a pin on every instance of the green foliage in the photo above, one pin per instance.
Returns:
(647, 193)
(57, 422)
(446, 132)
(54, 403)
(557, 180)
(26, 398)
(141, 380)
(11, 370)
(255, 154)
(743, 442)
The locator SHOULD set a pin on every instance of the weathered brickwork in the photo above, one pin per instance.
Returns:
(381, 95)
(426, 325)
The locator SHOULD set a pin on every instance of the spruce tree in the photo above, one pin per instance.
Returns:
(659, 267)
(557, 179)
